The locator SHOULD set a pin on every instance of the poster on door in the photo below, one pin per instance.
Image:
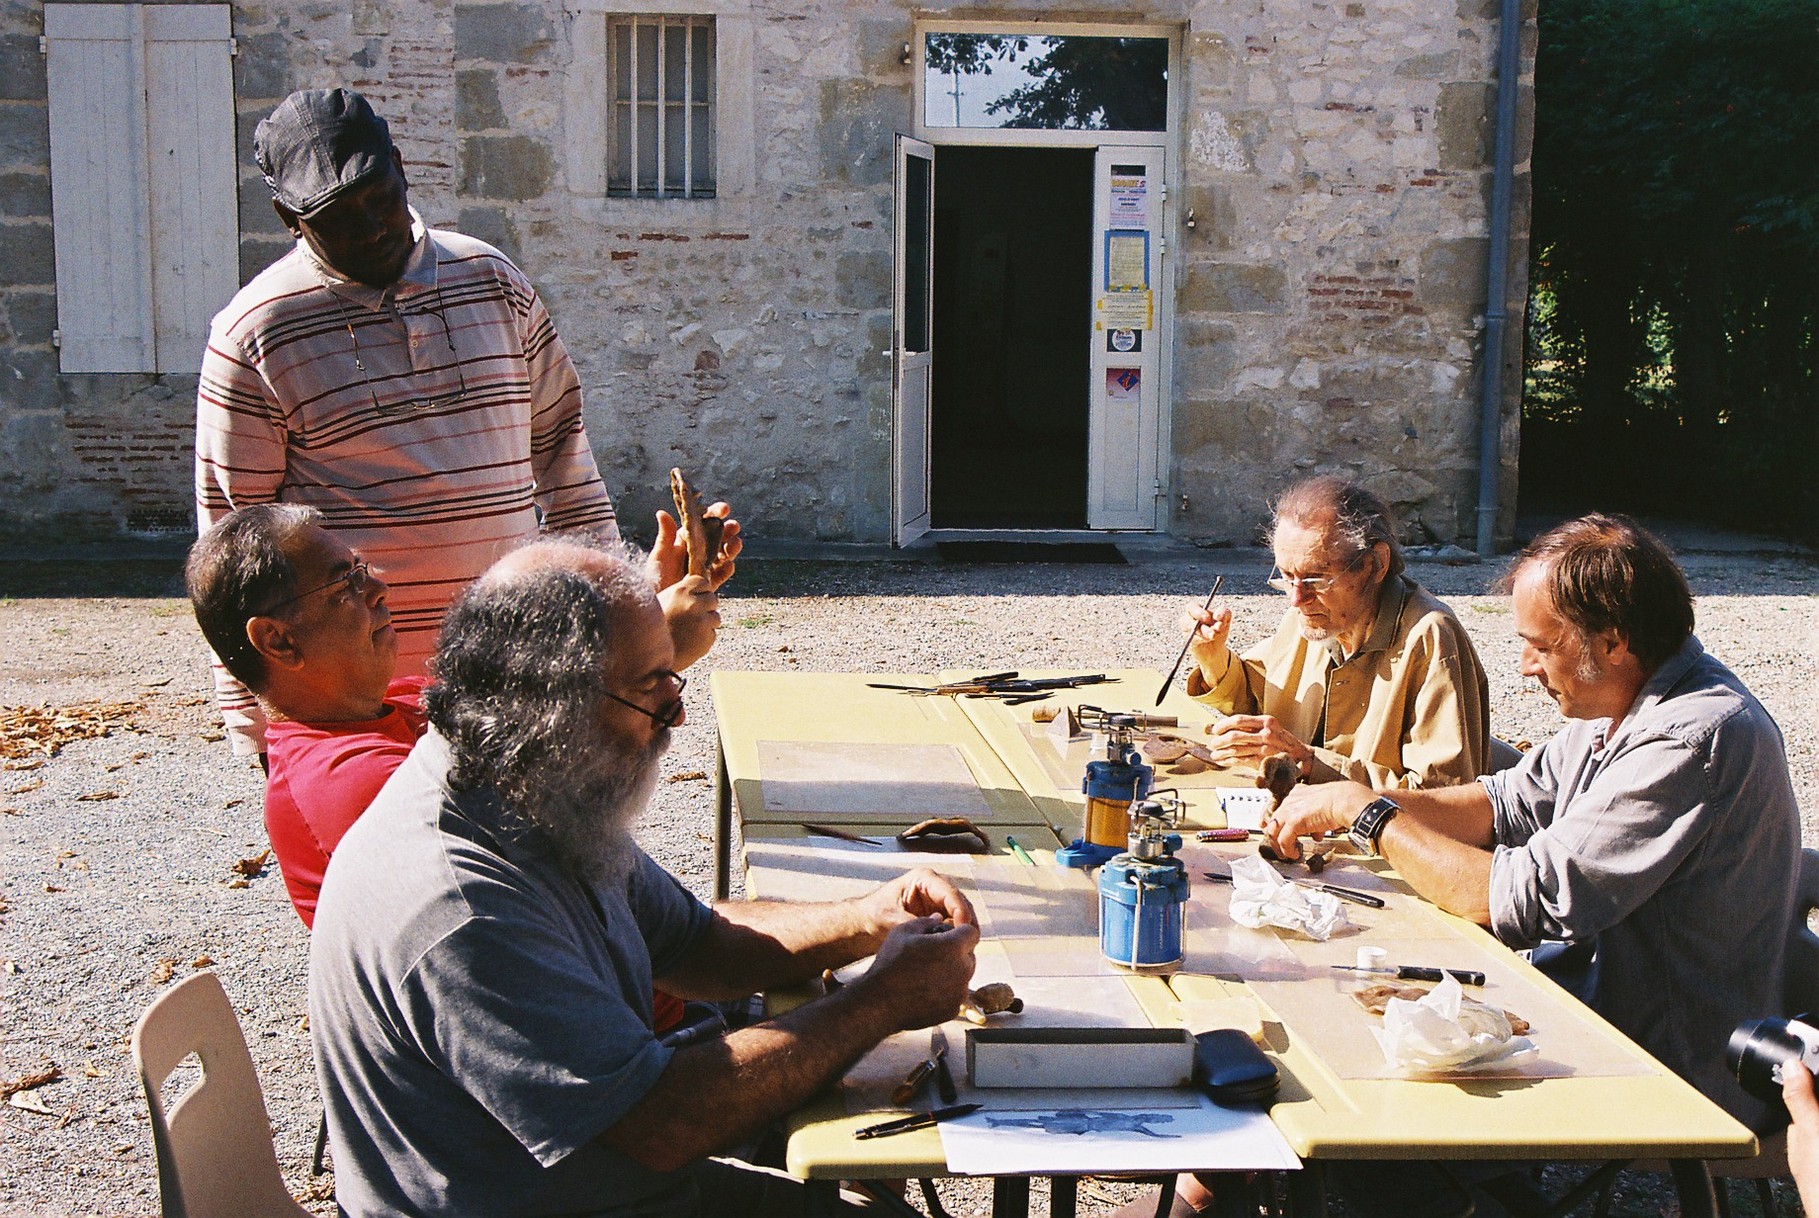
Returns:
(1130, 206)
(1123, 384)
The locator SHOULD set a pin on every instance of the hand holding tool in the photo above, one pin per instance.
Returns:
(1170, 679)
(920, 1120)
(1417, 972)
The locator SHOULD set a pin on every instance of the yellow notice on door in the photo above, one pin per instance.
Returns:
(1127, 261)
(1125, 310)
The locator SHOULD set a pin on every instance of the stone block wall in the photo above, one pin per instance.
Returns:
(1328, 300)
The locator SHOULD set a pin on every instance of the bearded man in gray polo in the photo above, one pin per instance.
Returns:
(488, 936)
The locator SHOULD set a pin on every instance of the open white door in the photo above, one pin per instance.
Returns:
(1123, 490)
(912, 329)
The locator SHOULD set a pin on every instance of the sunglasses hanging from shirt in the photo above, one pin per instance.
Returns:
(415, 401)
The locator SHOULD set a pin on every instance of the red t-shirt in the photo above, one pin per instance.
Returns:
(320, 778)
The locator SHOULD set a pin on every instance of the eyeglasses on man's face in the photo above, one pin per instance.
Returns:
(1313, 585)
(666, 715)
(357, 578)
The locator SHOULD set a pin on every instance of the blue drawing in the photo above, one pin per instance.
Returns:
(1081, 1121)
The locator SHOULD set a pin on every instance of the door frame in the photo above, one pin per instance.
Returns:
(910, 482)
(1169, 140)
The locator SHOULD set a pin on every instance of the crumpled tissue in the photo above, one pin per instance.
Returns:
(1261, 897)
(1446, 1031)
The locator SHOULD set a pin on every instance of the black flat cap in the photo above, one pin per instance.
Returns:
(319, 144)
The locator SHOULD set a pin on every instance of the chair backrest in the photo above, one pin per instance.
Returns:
(1802, 944)
(214, 1143)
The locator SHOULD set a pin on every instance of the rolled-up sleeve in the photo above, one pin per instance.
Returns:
(1616, 842)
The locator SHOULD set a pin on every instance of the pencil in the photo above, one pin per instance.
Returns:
(1023, 856)
(842, 834)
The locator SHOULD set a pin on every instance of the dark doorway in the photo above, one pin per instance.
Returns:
(1013, 270)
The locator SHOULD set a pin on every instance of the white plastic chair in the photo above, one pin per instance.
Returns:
(214, 1143)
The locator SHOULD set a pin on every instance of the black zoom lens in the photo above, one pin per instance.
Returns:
(1758, 1046)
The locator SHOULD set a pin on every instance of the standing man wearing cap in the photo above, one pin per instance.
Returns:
(406, 383)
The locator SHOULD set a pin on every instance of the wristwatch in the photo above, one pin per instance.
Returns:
(1367, 826)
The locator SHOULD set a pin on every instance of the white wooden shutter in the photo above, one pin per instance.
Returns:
(100, 212)
(195, 224)
(143, 181)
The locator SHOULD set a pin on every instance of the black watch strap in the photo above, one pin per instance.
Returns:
(1367, 826)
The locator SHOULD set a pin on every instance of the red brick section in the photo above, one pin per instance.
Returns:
(1363, 298)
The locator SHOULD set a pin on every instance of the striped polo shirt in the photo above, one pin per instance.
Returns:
(435, 423)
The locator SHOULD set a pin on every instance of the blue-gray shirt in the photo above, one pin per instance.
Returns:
(480, 1016)
(1675, 845)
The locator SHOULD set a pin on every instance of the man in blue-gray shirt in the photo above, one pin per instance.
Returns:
(489, 933)
(1658, 828)
(1656, 835)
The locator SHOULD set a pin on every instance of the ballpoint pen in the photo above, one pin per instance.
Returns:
(1419, 972)
(920, 1120)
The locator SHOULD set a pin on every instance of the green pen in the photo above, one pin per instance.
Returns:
(1023, 856)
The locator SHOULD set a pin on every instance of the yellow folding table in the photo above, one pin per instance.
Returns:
(1591, 1095)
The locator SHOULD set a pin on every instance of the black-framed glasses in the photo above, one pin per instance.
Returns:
(670, 711)
(357, 578)
(1314, 585)
(411, 403)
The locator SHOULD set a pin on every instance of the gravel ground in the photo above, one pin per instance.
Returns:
(117, 854)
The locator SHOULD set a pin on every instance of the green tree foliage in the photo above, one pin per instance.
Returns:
(1675, 238)
(1082, 83)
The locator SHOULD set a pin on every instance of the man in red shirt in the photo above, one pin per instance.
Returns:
(302, 621)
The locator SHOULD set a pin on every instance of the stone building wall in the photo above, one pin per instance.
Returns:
(1329, 299)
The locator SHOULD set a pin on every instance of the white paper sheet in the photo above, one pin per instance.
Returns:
(1128, 1137)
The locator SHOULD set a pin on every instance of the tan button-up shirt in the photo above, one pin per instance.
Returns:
(1410, 709)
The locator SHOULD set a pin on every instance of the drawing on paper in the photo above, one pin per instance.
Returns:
(1081, 1121)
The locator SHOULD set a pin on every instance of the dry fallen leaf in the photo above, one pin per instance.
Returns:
(212, 736)
(97, 796)
(202, 961)
(238, 882)
(22, 788)
(23, 763)
(31, 1082)
(162, 971)
(29, 1103)
(52, 888)
(303, 1024)
(88, 1069)
(42, 730)
(11, 812)
(233, 803)
(688, 776)
(253, 866)
(155, 683)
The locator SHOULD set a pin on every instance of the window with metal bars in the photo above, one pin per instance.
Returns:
(660, 142)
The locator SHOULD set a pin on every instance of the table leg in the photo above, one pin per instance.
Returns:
(1693, 1182)
(821, 1198)
(1307, 1191)
(1010, 1197)
(723, 825)
(1063, 1196)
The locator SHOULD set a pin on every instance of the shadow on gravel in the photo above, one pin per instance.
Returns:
(125, 577)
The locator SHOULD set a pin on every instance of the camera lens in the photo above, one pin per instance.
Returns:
(1758, 1046)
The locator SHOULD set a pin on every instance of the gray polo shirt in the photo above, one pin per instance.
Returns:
(480, 1016)
(1674, 844)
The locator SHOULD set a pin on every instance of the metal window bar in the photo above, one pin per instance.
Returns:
(664, 105)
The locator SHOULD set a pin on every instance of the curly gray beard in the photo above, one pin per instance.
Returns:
(586, 808)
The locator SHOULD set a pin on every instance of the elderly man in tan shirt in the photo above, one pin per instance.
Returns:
(1370, 677)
